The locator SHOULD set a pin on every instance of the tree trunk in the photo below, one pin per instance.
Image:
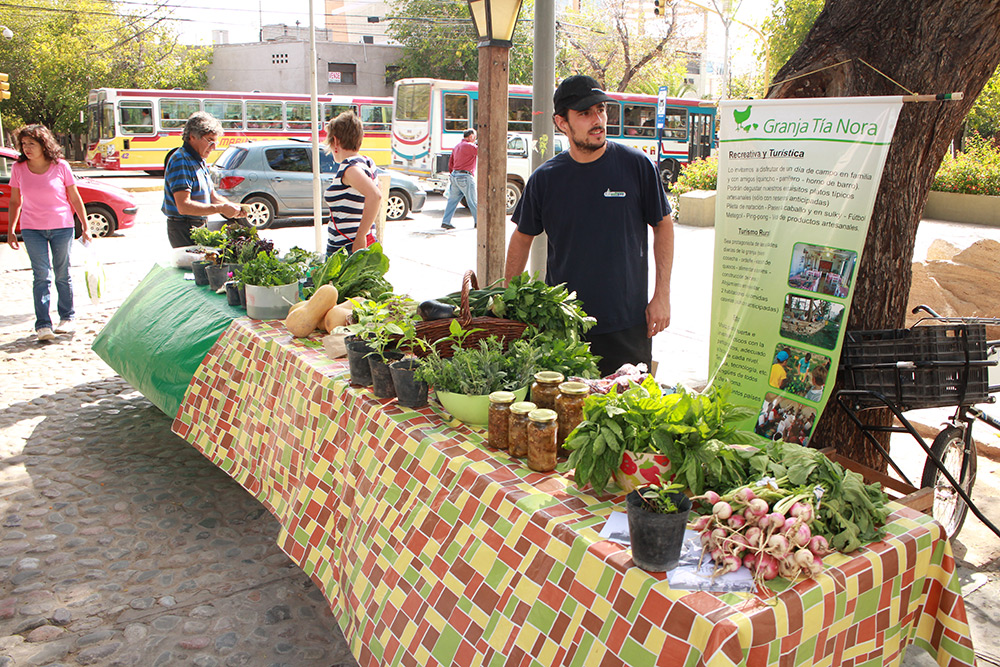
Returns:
(928, 46)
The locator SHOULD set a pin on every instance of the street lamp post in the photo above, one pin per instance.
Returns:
(494, 21)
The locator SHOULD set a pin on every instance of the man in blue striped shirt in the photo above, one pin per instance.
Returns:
(188, 195)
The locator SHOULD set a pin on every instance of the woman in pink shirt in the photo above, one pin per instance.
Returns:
(43, 198)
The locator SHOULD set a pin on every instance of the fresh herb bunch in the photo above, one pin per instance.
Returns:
(571, 358)
(242, 243)
(208, 238)
(482, 369)
(656, 497)
(266, 270)
(692, 430)
(358, 274)
(549, 308)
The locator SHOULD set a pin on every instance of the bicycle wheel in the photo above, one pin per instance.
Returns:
(949, 448)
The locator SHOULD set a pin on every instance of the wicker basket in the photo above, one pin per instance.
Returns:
(435, 331)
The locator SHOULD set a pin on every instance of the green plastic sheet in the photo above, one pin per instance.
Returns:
(162, 332)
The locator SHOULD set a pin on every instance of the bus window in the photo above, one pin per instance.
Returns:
(264, 115)
(675, 123)
(376, 117)
(229, 113)
(331, 111)
(136, 117)
(413, 101)
(296, 116)
(640, 120)
(614, 119)
(519, 114)
(456, 112)
(93, 123)
(107, 120)
(174, 113)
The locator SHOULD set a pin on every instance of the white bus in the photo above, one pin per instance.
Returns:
(430, 116)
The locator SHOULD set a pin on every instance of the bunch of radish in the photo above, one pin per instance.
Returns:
(763, 527)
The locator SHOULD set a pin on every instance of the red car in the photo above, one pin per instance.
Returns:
(109, 207)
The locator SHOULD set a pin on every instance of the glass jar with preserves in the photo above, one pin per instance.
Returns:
(569, 408)
(545, 389)
(499, 419)
(542, 440)
(517, 433)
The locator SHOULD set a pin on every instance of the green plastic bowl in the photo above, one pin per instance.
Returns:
(469, 409)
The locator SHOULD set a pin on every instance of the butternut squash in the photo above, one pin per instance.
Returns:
(303, 320)
(337, 317)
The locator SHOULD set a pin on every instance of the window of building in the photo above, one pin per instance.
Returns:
(174, 113)
(136, 117)
(342, 73)
(279, 58)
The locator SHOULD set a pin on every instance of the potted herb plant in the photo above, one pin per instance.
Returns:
(392, 317)
(207, 239)
(657, 517)
(272, 286)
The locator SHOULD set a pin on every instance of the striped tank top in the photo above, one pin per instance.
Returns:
(346, 205)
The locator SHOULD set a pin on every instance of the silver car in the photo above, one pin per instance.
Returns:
(275, 179)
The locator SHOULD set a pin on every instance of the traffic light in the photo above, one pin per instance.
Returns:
(4, 86)
(658, 6)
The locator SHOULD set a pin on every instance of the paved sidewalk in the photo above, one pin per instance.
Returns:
(120, 544)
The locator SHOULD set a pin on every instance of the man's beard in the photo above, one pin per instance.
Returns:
(587, 144)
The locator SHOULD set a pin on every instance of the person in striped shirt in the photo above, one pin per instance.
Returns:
(354, 197)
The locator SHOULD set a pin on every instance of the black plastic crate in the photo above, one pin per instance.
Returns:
(955, 383)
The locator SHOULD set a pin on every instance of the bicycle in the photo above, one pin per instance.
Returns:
(938, 362)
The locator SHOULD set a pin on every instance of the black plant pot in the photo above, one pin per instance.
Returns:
(198, 268)
(382, 385)
(232, 293)
(410, 392)
(218, 274)
(656, 538)
(361, 371)
(243, 295)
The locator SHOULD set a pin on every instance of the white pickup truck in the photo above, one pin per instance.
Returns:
(519, 164)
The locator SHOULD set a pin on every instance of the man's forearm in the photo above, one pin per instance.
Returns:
(517, 254)
(663, 255)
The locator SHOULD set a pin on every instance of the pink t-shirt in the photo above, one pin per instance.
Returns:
(44, 197)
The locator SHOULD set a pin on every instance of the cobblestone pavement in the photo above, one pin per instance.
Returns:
(120, 544)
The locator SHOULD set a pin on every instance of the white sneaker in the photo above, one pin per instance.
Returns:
(64, 327)
(45, 333)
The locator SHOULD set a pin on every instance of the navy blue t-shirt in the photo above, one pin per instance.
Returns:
(596, 216)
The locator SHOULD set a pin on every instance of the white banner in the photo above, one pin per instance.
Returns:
(796, 188)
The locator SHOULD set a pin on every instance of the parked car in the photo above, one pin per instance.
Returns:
(109, 207)
(519, 164)
(275, 179)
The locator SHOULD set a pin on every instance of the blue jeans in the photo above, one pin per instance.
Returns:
(38, 243)
(462, 185)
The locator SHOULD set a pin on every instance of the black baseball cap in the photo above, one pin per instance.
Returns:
(578, 92)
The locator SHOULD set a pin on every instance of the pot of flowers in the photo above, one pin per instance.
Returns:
(272, 287)
(463, 382)
(657, 517)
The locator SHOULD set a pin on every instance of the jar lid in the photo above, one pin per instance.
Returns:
(502, 397)
(522, 407)
(574, 388)
(542, 415)
(549, 377)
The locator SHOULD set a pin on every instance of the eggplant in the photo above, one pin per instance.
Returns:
(435, 310)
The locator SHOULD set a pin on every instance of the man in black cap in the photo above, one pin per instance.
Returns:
(596, 202)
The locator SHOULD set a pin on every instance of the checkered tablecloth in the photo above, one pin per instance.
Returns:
(434, 550)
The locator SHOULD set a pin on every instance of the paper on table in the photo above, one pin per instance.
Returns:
(690, 574)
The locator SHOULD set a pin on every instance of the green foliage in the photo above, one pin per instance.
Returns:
(984, 118)
(482, 369)
(698, 175)
(546, 307)
(358, 274)
(439, 40)
(572, 358)
(976, 171)
(208, 238)
(786, 29)
(383, 323)
(266, 270)
(63, 48)
(657, 498)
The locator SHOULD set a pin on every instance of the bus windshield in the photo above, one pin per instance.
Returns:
(413, 101)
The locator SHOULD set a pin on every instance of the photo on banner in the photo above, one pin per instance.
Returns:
(797, 182)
